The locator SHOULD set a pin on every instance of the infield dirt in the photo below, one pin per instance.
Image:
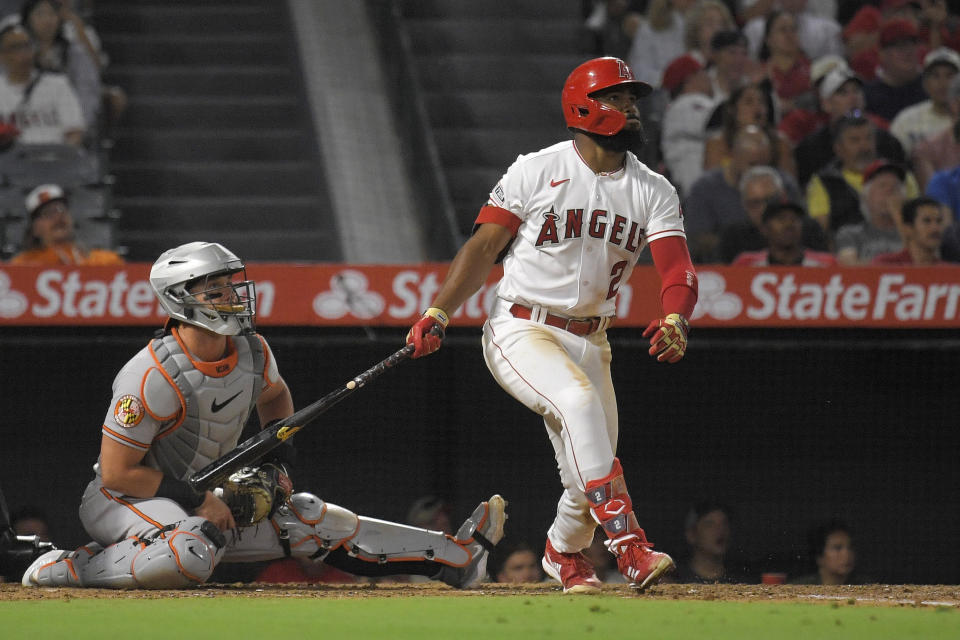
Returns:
(870, 595)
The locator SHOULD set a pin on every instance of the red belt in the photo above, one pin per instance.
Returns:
(576, 326)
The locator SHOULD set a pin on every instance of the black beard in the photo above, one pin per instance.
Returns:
(626, 140)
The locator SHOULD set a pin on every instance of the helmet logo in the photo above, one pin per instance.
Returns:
(624, 70)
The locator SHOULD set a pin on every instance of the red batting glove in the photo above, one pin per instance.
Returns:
(669, 338)
(427, 334)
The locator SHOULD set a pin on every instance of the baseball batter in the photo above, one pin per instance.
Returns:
(180, 404)
(569, 222)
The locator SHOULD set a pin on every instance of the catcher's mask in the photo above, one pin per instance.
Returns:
(205, 284)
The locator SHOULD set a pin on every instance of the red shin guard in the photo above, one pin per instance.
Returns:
(611, 504)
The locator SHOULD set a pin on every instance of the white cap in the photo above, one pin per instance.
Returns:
(942, 55)
(824, 65)
(836, 79)
(42, 195)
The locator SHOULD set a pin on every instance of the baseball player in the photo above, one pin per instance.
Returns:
(179, 404)
(569, 222)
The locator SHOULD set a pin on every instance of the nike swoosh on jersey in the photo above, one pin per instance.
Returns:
(216, 407)
(557, 183)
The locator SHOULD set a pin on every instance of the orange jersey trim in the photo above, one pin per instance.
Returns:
(183, 402)
(266, 361)
(499, 215)
(134, 444)
(217, 368)
(139, 513)
(146, 407)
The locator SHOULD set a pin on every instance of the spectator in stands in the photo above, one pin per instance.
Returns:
(922, 224)
(613, 24)
(730, 66)
(708, 532)
(883, 194)
(42, 106)
(659, 39)
(747, 106)
(941, 151)
(787, 68)
(78, 60)
(929, 118)
(760, 186)
(50, 237)
(782, 226)
(818, 35)
(684, 122)
(31, 521)
(832, 556)
(705, 19)
(833, 194)
(430, 512)
(841, 95)
(936, 27)
(803, 121)
(944, 187)
(516, 563)
(898, 83)
(714, 199)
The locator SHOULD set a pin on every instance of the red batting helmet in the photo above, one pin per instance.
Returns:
(582, 111)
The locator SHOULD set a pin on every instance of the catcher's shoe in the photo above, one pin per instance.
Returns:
(479, 533)
(637, 562)
(49, 558)
(572, 570)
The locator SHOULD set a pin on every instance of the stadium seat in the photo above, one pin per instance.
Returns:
(68, 166)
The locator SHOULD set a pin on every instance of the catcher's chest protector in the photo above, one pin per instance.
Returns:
(215, 407)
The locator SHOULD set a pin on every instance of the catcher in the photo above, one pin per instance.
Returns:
(181, 403)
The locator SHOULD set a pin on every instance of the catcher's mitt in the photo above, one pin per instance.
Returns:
(255, 493)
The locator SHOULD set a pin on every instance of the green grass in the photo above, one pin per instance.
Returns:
(461, 618)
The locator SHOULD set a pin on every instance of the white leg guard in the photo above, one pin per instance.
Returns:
(313, 527)
(180, 556)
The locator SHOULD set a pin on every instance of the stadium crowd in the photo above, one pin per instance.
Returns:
(56, 120)
(847, 111)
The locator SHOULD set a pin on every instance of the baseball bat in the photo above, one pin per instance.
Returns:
(273, 435)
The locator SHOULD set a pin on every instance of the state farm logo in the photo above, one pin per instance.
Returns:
(12, 303)
(349, 293)
(714, 300)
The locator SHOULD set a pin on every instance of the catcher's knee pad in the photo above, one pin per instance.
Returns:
(179, 556)
(306, 524)
(314, 527)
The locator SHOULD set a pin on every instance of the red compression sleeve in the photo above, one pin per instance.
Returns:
(678, 292)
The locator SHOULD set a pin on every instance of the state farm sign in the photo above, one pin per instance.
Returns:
(395, 295)
(879, 297)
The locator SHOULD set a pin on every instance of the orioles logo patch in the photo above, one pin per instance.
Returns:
(128, 412)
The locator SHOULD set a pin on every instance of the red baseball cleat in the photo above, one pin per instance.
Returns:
(637, 562)
(572, 570)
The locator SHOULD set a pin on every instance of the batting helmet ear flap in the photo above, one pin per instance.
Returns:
(584, 112)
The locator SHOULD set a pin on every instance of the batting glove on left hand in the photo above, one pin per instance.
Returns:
(668, 337)
(427, 334)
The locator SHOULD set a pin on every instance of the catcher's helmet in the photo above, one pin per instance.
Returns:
(582, 111)
(191, 265)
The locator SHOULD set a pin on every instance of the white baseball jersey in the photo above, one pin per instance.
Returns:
(51, 110)
(579, 234)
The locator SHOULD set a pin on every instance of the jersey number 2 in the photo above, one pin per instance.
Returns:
(615, 274)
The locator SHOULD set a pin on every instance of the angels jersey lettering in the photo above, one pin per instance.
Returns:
(579, 233)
